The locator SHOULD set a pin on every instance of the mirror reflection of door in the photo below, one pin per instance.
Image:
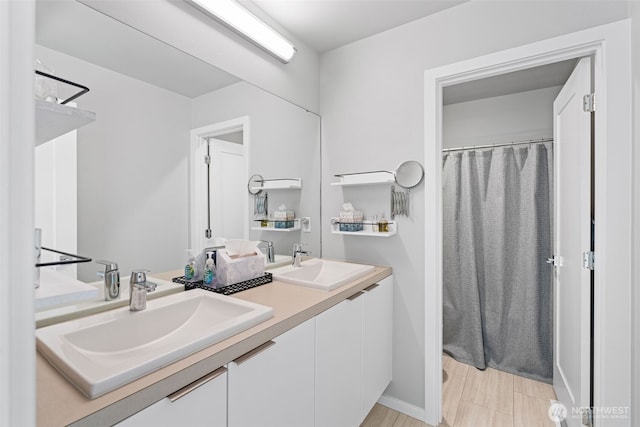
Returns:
(56, 202)
(228, 186)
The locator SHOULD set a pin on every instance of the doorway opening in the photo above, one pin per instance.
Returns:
(498, 202)
(218, 179)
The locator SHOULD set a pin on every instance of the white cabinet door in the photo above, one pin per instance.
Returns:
(200, 404)
(377, 342)
(273, 386)
(339, 364)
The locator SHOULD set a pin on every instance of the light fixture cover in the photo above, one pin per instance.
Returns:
(249, 26)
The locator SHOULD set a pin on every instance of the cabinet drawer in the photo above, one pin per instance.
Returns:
(202, 403)
(272, 386)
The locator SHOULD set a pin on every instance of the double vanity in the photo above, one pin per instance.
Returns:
(311, 348)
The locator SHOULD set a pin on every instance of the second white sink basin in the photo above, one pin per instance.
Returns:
(322, 273)
(105, 351)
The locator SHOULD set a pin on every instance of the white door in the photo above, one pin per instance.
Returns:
(228, 181)
(56, 197)
(572, 284)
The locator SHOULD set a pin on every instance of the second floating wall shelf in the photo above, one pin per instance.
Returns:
(278, 184)
(367, 229)
(364, 178)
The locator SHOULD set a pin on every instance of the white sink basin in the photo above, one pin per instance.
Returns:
(322, 273)
(103, 352)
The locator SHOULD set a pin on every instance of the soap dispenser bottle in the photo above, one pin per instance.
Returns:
(209, 270)
(190, 266)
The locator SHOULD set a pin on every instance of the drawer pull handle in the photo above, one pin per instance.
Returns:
(197, 383)
(240, 360)
(356, 295)
(372, 287)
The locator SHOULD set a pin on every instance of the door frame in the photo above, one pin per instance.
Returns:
(609, 46)
(197, 204)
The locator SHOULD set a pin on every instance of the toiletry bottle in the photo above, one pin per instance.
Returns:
(190, 267)
(374, 224)
(383, 225)
(209, 270)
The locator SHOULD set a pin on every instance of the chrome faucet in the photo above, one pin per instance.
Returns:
(111, 277)
(138, 288)
(270, 251)
(297, 254)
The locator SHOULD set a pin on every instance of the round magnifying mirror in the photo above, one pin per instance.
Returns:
(254, 186)
(409, 174)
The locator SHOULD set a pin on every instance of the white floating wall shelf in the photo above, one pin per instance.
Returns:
(367, 229)
(364, 178)
(54, 120)
(272, 227)
(279, 184)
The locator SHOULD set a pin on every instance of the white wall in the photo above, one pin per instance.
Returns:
(372, 110)
(132, 169)
(17, 133)
(520, 116)
(635, 58)
(284, 143)
(184, 27)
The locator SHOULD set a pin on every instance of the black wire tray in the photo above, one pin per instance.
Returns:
(226, 290)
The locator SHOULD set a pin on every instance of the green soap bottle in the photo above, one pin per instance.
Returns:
(190, 266)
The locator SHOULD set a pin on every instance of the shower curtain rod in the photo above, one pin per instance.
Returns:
(504, 144)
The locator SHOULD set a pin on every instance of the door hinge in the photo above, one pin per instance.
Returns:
(589, 102)
(207, 159)
(587, 260)
(587, 417)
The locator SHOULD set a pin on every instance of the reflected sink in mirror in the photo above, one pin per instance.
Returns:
(103, 352)
(322, 273)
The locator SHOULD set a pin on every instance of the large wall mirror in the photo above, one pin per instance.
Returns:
(132, 194)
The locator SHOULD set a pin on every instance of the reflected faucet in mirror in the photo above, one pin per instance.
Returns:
(269, 251)
(111, 276)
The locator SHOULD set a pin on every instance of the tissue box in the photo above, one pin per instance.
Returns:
(284, 215)
(351, 216)
(231, 269)
(351, 221)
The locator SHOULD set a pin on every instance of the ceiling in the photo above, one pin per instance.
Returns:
(555, 74)
(327, 24)
(323, 24)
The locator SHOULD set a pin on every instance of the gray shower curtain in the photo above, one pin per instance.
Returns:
(497, 308)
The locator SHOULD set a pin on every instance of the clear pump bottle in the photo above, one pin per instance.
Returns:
(190, 266)
(209, 270)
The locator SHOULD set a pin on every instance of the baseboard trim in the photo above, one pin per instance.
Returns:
(402, 406)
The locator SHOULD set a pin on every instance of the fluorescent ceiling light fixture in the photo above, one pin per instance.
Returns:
(249, 26)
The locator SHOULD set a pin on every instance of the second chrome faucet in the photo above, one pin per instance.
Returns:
(138, 289)
(297, 254)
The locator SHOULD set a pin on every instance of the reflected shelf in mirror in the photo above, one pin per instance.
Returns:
(277, 184)
(364, 178)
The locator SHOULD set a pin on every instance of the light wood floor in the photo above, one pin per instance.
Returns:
(474, 398)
